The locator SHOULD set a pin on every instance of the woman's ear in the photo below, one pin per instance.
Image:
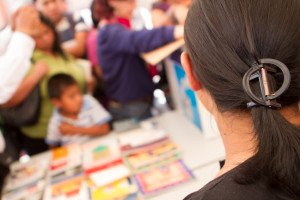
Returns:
(187, 66)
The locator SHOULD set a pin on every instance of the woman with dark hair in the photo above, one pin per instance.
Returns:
(243, 60)
(48, 59)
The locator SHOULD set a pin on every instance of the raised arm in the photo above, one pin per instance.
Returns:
(15, 57)
(39, 71)
(78, 47)
(119, 39)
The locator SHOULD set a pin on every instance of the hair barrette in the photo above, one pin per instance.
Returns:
(260, 70)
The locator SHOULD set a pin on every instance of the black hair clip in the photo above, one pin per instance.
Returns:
(259, 70)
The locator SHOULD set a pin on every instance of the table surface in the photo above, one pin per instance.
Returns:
(197, 151)
(200, 154)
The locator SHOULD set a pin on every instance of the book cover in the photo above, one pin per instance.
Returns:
(100, 153)
(156, 156)
(162, 177)
(121, 189)
(71, 187)
(64, 158)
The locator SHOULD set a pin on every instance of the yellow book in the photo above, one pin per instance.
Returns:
(116, 190)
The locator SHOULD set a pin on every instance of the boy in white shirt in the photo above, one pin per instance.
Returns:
(76, 117)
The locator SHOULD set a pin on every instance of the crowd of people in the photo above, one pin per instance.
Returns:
(224, 40)
(40, 49)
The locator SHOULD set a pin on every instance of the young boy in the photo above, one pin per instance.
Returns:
(76, 117)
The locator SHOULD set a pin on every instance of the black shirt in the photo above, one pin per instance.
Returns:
(225, 188)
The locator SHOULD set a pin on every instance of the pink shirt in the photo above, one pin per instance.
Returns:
(91, 46)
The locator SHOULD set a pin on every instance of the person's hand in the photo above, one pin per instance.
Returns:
(67, 129)
(26, 20)
(178, 32)
(40, 70)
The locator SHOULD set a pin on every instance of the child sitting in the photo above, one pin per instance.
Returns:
(76, 117)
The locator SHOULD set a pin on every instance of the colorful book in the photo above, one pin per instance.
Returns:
(100, 153)
(154, 157)
(64, 158)
(71, 187)
(162, 177)
(122, 189)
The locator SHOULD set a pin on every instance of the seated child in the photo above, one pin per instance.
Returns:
(76, 117)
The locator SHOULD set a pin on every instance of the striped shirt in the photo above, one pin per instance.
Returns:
(91, 114)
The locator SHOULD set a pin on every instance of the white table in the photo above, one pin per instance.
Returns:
(201, 155)
(197, 151)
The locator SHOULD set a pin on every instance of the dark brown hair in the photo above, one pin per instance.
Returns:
(57, 49)
(223, 38)
(100, 9)
(58, 83)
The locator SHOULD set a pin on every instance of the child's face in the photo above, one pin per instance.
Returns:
(45, 38)
(71, 100)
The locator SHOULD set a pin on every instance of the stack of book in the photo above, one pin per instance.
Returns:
(66, 174)
(65, 158)
(107, 175)
(154, 159)
(26, 179)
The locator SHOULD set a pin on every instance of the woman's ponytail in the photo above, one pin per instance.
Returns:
(277, 160)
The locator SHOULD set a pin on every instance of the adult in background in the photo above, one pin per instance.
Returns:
(129, 85)
(229, 44)
(16, 47)
(99, 10)
(51, 60)
(71, 27)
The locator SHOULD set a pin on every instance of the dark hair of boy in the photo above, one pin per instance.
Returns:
(223, 39)
(58, 83)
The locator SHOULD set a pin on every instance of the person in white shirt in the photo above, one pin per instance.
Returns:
(16, 47)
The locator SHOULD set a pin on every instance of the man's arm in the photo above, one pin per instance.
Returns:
(118, 39)
(92, 131)
(40, 70)
(14, 64)
(78, 46)
(15, 59)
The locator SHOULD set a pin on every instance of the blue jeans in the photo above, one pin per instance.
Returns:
(137, 110)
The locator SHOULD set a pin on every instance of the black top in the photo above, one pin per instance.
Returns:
(225, 188)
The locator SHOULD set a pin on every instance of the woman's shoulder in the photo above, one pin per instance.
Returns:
(226, 188)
